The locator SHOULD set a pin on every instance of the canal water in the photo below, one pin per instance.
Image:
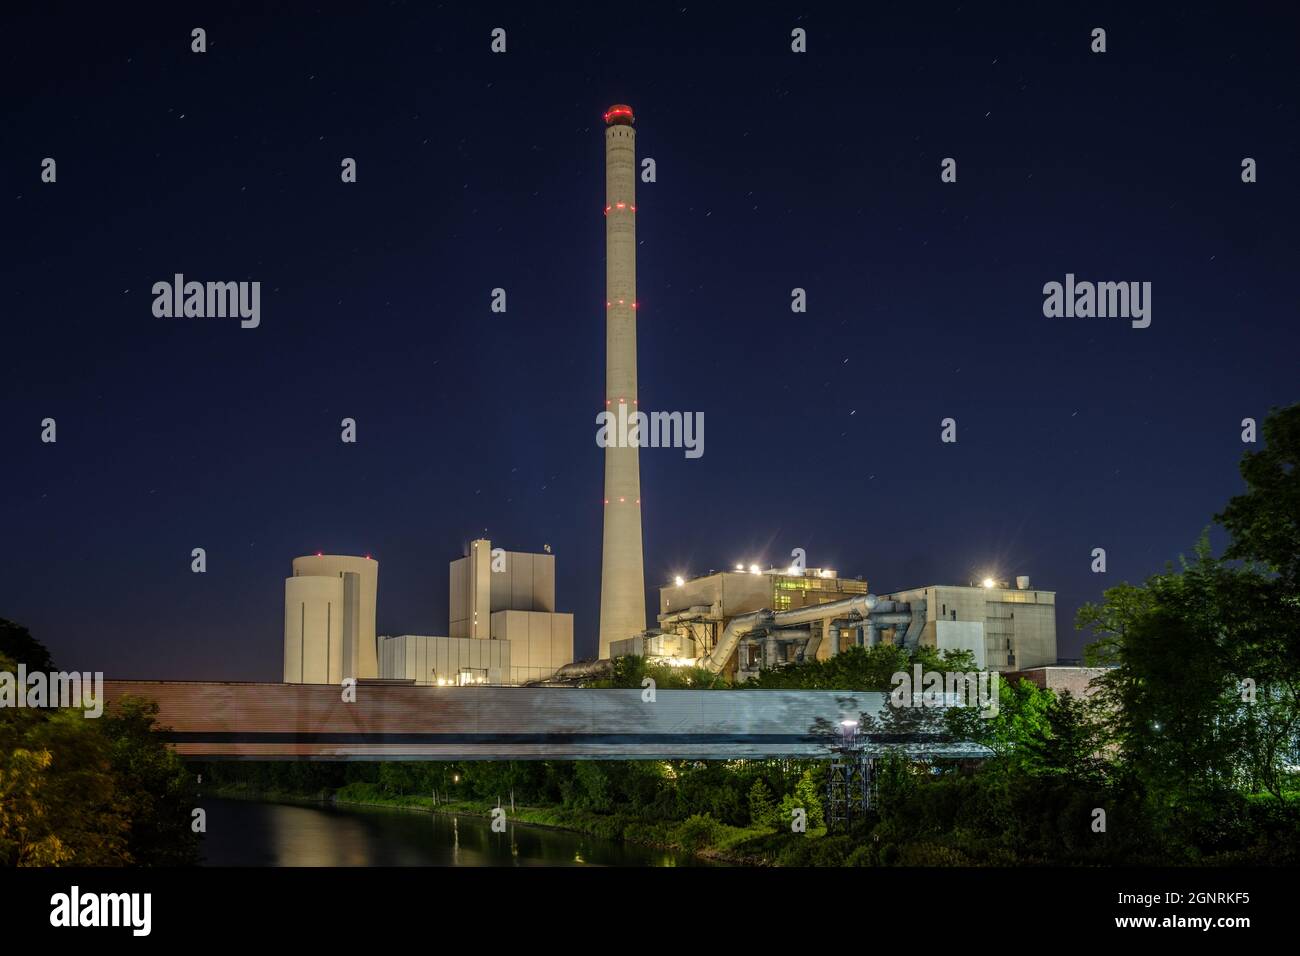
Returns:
(247, 833)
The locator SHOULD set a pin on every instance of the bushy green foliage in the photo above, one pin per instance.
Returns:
(154, 786)
(862, 668)
(19, 647)
(79, 791)
(762, 811)
(807, 797)
(697, 831)
(1265, 520)
(632, 671)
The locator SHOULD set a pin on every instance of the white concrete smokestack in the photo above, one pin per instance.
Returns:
(622, 574)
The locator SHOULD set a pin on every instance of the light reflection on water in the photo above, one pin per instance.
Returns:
(247, 833)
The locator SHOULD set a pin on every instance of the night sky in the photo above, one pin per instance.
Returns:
(775, 170)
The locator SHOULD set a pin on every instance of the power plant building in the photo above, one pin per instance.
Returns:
(1007, 628)
(445, 661)
(540, 643)
(503, 627)
(739, 592)
(313, 630)
(502, 623)
(483, 583)
(740, 623)
(329, 619)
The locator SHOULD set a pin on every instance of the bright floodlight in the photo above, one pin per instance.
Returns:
(988, 582)
(740, 567)
(754, 569)
(848, 723)
(679, 580)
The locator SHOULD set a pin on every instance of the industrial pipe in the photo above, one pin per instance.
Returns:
(597, 668)
(691, 613)
(740, 625)
(861, 605)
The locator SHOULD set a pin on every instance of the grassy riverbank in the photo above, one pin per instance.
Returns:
(700, 834)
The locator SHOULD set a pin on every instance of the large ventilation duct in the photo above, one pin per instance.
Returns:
(860, 605)
(912, 636)
(604, 667)
(890, 619)
(694, 613)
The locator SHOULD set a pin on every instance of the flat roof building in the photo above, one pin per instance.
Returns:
(1017, 625)
(444, 661)
(502, 623)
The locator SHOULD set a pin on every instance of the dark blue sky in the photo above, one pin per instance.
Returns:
(476, 170)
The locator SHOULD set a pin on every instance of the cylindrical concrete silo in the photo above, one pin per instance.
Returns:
(360, 656)
(314, 619)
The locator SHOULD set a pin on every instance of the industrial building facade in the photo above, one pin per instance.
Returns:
(444, 661)
(740, 623)
(480, 585)
(741, 591)
(502, 623)
(1017, 625)
(329, 619)
(727, 594)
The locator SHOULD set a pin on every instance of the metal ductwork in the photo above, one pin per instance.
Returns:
(912, 636)
(894, 617)
(860, 605)
(603, 667)
(694, 613)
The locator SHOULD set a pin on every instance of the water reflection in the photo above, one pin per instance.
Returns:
(244, 833)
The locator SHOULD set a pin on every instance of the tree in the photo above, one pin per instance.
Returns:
(26, 838)
(806, 796)
(1070, 746)
(17, 644)
(1184, 646)
(1265, 527)
(762, 809)
(89, 792)
(1022, 717)
(58, 799)
(1265, 521)
(157, 790)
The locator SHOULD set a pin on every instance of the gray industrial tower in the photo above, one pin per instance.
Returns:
(622, 573)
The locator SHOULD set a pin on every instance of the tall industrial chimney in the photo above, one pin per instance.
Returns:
(622, 573)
